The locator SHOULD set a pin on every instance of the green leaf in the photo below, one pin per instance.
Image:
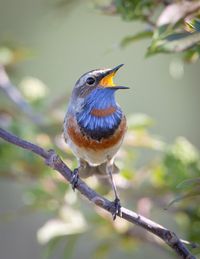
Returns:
(192, 55)
(176, 42)
(6, 56)
(185, 151)
(195, 192)
(133, 9)
(194, 24)
(162, 31)
(138, 36)
(189, 183)
(70, 246)
(51, 246)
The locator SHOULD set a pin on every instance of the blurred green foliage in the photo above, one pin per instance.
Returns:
(11, 53)
(172, 26)
(169, 180)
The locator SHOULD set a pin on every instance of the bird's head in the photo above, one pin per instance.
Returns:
(95, 89)
(96, 79)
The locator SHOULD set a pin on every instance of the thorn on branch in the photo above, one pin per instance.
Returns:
(52, 159)
(98, 201)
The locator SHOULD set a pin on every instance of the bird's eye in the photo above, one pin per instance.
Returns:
(90, 81)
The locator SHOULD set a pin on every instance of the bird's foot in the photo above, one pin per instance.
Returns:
(74, 179)
(117, 208)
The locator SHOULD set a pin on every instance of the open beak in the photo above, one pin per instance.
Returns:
(107, 78)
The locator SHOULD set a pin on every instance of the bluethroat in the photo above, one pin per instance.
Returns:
(94, 126)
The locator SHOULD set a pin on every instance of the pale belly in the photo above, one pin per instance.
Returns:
(94, 157)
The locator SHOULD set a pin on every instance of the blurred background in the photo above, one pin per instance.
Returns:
(44, 48)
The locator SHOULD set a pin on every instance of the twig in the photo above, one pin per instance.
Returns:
(55, 162)
(14, 94)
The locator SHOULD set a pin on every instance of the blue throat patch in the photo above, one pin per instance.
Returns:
(98, 127)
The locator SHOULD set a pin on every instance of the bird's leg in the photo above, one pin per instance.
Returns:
(74, 179)
(75, 175)
(117, 204)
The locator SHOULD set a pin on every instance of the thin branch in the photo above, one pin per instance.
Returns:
(55, 162)
(15, 96)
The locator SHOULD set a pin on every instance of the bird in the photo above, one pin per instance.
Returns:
(95, 126)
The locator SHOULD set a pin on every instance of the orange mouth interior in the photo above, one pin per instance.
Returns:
(107, 81)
